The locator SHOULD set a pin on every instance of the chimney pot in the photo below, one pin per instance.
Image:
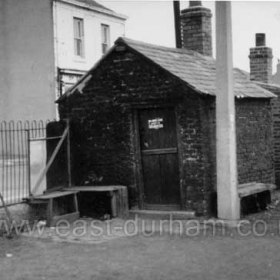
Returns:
(260, 39)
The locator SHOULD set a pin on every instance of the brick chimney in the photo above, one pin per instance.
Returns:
(260, 61)
(197, 28)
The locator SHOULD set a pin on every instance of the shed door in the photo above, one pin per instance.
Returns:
(158, 144)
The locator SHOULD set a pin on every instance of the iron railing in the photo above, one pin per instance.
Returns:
(15, 157)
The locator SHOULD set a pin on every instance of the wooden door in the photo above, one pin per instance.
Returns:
(158, 144)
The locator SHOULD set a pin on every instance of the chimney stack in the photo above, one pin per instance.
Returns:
(197, 28)
(260, 61)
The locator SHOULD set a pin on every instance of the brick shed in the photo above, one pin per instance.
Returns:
(144, 117)
(261, 72)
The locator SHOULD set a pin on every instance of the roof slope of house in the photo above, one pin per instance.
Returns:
(196, 70)
(93, 5)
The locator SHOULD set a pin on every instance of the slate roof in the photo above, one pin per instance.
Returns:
(93, 3)
(275, 88)
(196, 70)
(95, 6)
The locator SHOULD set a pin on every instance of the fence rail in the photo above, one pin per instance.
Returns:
(15, 157)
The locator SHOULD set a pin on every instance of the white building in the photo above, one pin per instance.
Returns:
(45, 47)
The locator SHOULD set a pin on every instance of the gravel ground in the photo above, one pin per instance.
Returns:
(139, 257)
(196, 251)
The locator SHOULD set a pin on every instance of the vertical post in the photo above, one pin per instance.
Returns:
(69, 155)
(177, 23)
(28, 162)
(228, 201)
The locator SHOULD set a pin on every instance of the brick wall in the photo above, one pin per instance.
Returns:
(276, 135)
(193, 154)
(276, 128)
(254, 139)
(103, 143)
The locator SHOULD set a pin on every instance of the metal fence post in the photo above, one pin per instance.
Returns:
(28, 162)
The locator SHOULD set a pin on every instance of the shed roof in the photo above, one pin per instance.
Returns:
(196, 70)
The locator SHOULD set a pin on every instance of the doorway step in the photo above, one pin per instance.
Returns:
(161, 215)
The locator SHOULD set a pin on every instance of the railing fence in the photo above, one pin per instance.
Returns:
(15, 137)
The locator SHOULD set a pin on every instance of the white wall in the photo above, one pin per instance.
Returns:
(64, 35)
(27, 75)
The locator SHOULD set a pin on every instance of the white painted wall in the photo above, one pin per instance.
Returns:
(64, 35)
(36, 37)
(27, 67)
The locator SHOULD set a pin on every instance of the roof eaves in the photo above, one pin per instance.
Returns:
(268, 87)
(104, 10)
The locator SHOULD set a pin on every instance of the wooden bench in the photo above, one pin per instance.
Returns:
(254, 196)
(118, 197)
(49, 199)
(254, 188)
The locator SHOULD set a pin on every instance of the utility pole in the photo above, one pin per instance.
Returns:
(227, 178)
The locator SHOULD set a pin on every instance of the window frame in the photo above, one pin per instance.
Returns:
(105, 37)
(79, 37)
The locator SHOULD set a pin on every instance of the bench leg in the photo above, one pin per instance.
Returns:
(50, 212)
(76, 206)
(113, 204)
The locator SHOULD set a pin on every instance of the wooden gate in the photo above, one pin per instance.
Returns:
(159, 153)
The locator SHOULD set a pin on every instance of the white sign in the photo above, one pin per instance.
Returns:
(155, 123)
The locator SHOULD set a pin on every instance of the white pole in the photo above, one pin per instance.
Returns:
(228, 201)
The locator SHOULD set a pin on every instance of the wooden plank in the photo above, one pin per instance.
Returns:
(45, 170)
(50, 212)
(69, 156)
(119, 197)
(254, 188)
(160, 151)
(246, 184)
(54, 195)
(76, 205)
(138, 159)
(45, 138)
(114, 209)
(124, 203)
(93, 188)
(170, 179)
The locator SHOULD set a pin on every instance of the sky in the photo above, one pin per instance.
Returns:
(153, 22)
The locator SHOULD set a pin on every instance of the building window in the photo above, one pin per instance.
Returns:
(79, 37)
(105, 37)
